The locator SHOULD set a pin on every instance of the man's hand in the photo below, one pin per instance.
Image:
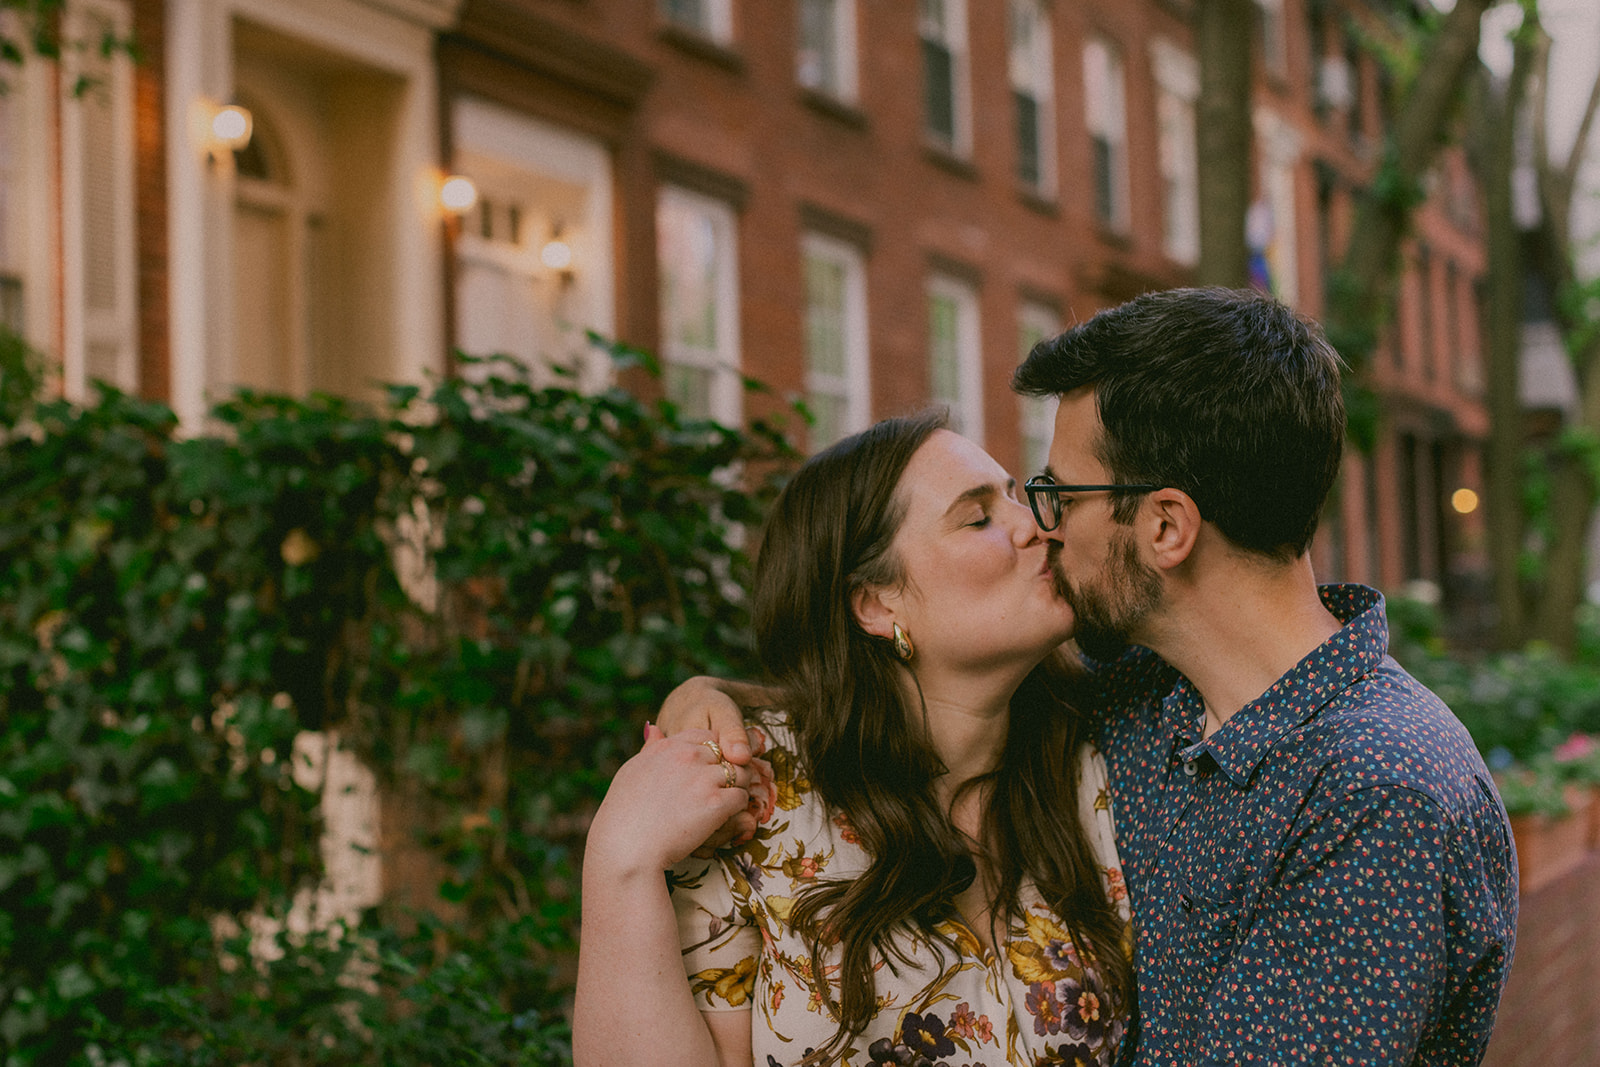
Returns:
(704, 703)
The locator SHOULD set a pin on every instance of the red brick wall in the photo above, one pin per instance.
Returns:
(1550, 1015)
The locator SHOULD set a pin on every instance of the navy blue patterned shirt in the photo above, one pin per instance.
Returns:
(1328, 879)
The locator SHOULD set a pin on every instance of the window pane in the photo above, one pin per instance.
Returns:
(1105, 202)
(825, 314)
(689, 277)
(691, 13)
(938, 76)
(818, 60)
(1027, 110)
(944, 370)
(828, 411)
(690, 389)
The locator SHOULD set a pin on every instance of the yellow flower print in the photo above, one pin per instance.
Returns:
(1047, 955)
(731, 985)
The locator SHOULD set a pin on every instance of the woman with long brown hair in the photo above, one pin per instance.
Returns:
(920, 887)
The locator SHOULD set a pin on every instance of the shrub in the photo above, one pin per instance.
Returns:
(483, 586)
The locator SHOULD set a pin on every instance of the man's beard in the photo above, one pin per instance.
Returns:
(1107, 610)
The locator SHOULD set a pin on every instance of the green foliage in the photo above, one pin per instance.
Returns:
(1519, 705)
(484, 588)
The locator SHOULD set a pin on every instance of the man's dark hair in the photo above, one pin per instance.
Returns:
(1225, 394)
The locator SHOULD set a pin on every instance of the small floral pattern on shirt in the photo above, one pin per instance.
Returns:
(1329, 878)
(1039, 1003)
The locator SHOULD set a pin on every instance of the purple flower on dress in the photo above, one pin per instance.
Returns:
(749, 868)
(1042, 1005)
(1083, 1010)
(926, 1034)
(1061, 955)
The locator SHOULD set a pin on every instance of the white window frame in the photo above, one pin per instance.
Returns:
(1279, 151)
(715, 22)
(966, 407)
(944, 22)
(1177, 76)
(115, 325)
(1032, 66)
(1106, 115)
(1036, 422)
(853, 385)
(841, 40)
(722, 357)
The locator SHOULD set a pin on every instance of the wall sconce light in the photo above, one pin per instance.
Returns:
(556, 254)
(220, 129)
(457, 194)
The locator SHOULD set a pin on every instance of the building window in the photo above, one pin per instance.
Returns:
(11, 219)
(954, 360)
(1108, 131)
(943, 26)
(1032, 94)
(836, 339)
(1272, 31)
(826, 58)
(1177, 89)
(1035, 323)
(712, 19)
(98, 223)
(695, 242)
(1271, 229)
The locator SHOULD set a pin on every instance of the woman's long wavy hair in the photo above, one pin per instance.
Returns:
(867, 752)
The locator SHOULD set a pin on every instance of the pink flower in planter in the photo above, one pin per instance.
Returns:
(1576, 747)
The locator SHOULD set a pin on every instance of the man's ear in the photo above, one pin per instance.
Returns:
(873, 614)
(1172, 521)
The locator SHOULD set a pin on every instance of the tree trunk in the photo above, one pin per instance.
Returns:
(1224, 134)
(1357, 297)
(1493, 146)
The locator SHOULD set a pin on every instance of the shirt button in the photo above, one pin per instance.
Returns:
(1191, 768)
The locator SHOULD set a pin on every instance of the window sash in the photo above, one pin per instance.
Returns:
(939, 103)
(699, 305)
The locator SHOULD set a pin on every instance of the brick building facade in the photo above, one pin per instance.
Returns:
(873, 204)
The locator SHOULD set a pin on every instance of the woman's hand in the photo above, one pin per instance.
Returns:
(664, 803)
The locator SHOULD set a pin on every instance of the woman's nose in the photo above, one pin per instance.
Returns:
(1025, 530)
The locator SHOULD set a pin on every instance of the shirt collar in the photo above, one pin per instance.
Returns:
(1359, 646)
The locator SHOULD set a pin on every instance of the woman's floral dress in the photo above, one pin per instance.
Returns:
(1038, 1003)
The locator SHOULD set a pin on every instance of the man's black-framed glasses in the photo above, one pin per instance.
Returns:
(1044, 496)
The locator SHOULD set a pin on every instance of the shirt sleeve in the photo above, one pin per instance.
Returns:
(717, 932)
(1346, 959)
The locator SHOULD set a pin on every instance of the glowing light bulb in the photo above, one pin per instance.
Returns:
(458, 194)
(557, 255)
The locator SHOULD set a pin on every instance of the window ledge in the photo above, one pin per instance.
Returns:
(833, 107)
(1033, 199)
(942, 157)
(702, 47)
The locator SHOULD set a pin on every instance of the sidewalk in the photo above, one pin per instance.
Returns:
(1550, 1014)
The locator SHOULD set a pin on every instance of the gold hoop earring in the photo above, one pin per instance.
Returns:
(902, 644)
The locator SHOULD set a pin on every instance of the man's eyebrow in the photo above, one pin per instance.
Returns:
(980, 493)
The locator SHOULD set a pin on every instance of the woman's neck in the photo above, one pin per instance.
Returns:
(967, 726)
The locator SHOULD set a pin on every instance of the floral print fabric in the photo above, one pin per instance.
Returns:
(1037, 1003)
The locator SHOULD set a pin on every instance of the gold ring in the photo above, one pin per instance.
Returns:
(716, 750)
(731, 777)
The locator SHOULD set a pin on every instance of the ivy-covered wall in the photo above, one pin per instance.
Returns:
(484, 588)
